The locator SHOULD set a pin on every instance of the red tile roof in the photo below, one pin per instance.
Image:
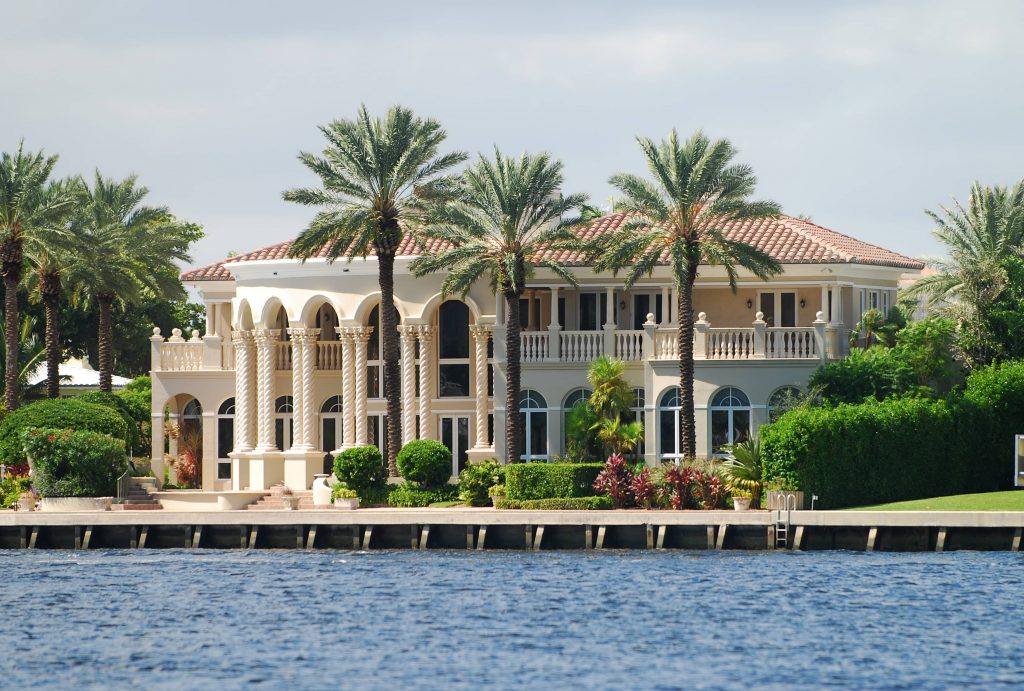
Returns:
(790, 240)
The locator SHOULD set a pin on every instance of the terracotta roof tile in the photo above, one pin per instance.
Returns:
(790, 240)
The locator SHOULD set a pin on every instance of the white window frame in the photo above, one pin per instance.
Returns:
(729, 410)
(524, 407)
(777, 293)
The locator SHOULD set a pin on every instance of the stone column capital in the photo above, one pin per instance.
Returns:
(426, 332)
(266, 337)
(302, 334)
(481, 330)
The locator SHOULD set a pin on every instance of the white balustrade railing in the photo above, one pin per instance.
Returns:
(790, 343)
(729, 344)
(629, 345)
(185, 356)
(533, 346)
(666, 344)
(580, 346)
(283, 355)
(328, 355)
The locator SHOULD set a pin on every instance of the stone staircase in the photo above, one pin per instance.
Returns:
(274, 502)
(139, 497)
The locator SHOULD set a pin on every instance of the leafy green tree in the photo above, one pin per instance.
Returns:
(32, 208)
(611, 394)
(508, 217)
(30, 355)
(927, 348)
(133, 250)
(979, 238)
(680, 218)
(378, 178)
(876, 372)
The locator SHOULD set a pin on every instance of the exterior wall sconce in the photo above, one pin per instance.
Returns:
(750, 303)
(803, 303)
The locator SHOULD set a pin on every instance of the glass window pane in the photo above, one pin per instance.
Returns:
(767, 304)
(719, 429)
(453, 330)
(668, 432)
(328, 440)
(373, 389)
(453, 381)
(588, 312)
(373, 345)
(539, 434)
(641, 306)
(463, 437)
(279, 433)
(788, 317)
(224, 471)
(446, 433)
(740, 426)
(225, 436)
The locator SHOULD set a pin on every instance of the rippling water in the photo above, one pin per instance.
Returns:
(206, 619)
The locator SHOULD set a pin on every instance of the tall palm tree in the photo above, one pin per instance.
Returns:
(978, 239)
(29, 356)
(133, 250)
(378, 177)
(31, 207)
(680, 218)
(509, 216)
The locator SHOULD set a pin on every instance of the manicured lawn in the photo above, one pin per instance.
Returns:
(989, 501)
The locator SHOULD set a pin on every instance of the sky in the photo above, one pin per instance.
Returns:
(859, 115)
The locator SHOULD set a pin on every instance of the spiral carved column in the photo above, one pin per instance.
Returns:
(481, 334)
(348, 365)
(360, 337)
(266, 341)
(426, 334)
(298, 440)
(244, 393)
(309, 353)
(408, 336)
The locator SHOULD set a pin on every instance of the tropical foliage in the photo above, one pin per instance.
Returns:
(679, 218)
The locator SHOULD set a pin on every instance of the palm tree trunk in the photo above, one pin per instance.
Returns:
(50, 288)
(513, 424)
(392, 374)
(11, 268)
(687, 421)
(106, 341)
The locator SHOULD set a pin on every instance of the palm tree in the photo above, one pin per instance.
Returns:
(32, 207)
(508, 217)
(378, 178)
(680, 218)
(29, 356)
(132, 250)
(978, 239)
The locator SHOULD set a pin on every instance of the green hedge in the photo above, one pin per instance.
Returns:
(361, 468)
(902, 448)
(550, 480)
(426, 462)
(558, 504)
(75, 464)
(58, 413)
(409, 495)
(122, 408)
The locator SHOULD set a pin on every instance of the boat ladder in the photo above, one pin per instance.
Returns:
(783, 522)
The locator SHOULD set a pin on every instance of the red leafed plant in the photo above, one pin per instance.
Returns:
(678, 487)
(190, 454)
(709, 490)
(615, 480)
(643, 489)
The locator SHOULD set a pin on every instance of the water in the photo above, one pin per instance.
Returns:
(297, 620)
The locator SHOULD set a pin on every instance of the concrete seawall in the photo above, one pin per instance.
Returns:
(491, 529)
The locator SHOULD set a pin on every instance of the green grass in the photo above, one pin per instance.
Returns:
(989, 501)
(444, 504)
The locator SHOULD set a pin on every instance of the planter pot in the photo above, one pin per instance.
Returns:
(495, 500)
(75, 504)
(741, 503)
(290, 502)
(26, 504)
(347, 504)
(776, 500)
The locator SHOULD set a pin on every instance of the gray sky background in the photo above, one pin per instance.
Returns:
(859, 115)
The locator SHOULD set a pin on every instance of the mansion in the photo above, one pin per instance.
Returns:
(289, 369)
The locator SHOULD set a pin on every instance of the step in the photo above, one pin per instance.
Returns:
(136, 507)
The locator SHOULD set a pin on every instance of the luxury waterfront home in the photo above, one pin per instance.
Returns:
(290, 367)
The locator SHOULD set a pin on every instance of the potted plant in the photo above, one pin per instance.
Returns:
(783, 493)
(26, 501)
(344, 497)
(741, 499)
(496, 493)
(289, 500)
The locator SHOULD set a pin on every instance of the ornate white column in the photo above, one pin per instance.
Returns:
(360, 337)
(309, 352)
(348, 389)
(408, 341)
(244, 394)
(266, 341)
(426, 334)
(481, 334)
(297, 335)
(666, 310)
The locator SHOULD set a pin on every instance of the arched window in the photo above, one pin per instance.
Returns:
(374, 355)
(453, 350)
(533, 412)
(192, 415)
(636, 413)
(782, 400)
(668, 423)
(330, 424)
(730, 418)
(225, 438)
(574, 398)
(283, 422)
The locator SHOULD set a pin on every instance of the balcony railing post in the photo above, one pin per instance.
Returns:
(650, 328)
(609, 340)
(554, 331)
(759, 336)
(212, 353)
(700, 336)
(155, 341)
(824, 345)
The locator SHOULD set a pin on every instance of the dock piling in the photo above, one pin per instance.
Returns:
(872, 538)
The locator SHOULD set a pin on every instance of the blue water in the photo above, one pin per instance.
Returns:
(618, 620)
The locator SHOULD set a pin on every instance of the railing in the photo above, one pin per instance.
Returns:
(729, 344)
(124, 483)
(533, 346)
(786, 343)
(666, 344)
(328, 355)
(283, 355)
(629, 345)
(580, 346)
(183, 356)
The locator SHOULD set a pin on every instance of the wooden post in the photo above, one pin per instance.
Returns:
(414, 536)
(88, 537)
(872, 538)
(720, 543)
(771, 537)
(33, 536)
(529, 537)
(78, 537)
(311, 540)
(142, 536)
(356, 537)
(538, 538)
(188, 536)
(197, 537)
(424, 537)
(649, 530)
(662, 530)
(711, 537)
(23, 537)
(588, 537)
(483, 537)
(243, 536)
(600, 537)
(254, 536)
(469, 536)
(300, 537)
(367, 536)
(940, 540)
(1015, 546)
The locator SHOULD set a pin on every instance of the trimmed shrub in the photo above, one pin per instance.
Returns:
(361, 468)
(558, 504)
(477, 478)
(66, 463)
(57, 413)
(550, 480)
(409, 495)
(425, 462)
(124, 409)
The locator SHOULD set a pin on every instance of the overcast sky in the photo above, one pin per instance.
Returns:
(858, 116)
